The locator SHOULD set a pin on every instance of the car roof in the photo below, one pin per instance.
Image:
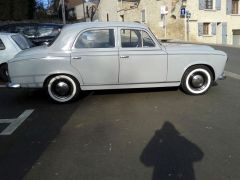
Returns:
(105, 24)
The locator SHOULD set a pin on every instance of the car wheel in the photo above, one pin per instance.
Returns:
(62, 88)
(4, 72)
(197, 80)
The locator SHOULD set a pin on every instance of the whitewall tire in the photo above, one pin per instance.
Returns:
(62, 88)
(197, 80)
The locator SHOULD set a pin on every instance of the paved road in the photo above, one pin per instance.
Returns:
(234, 58)
(143, 134)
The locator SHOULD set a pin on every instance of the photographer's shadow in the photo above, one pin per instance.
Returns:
(171, 155)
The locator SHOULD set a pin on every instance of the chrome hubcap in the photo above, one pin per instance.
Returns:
(62, 88)
(197, 81)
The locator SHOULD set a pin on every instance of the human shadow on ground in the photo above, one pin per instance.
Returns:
(171, 155)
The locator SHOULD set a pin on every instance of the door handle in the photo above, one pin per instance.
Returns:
(124, 56)
(76, 58)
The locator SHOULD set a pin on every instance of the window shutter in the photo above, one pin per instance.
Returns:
(214, 28)
(224, 28)
(229, 6)
(218, 4)
(200, 29)
(224, 32)
(201, 4)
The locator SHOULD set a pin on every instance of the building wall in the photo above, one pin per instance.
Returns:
(212, 16)
(175, 23)
(131, 12)
(107, 7)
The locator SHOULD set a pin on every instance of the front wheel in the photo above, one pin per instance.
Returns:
(62, 88)
(197, 80)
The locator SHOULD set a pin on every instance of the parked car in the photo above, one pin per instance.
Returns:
(10, 45)
(112, 55)
(38, 33)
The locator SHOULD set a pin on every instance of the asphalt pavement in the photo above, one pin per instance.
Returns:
(144, 134)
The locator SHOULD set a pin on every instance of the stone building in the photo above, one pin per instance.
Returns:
(215, 21)
(211, 21)
(150, 12)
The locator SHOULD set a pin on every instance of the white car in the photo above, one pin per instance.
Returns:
(114, 55)
(10, 45)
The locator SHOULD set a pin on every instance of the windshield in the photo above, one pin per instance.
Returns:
(22, 42)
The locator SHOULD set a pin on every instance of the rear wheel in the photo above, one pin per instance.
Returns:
(62, 88)
(4, 72)
(197, 80)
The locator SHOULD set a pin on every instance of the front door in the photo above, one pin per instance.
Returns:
(95, 55)
(141, 58)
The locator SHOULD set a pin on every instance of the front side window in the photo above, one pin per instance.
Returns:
(100, 38)
(2, 47)
(131, 38)
(209, 4)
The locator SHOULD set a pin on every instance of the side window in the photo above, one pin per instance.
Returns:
(147, 40)
(101, 38)
(131, 38)
(2, 47)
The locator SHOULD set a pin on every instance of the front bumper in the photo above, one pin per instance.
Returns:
(13, 85)
(222, 77)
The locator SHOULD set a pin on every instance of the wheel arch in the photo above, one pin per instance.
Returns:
(200, 64)
(57, 74)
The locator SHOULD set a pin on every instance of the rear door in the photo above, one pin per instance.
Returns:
(95, 55)
(141, 58)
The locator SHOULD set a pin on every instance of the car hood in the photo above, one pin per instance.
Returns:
(32, 53)
(186, 47)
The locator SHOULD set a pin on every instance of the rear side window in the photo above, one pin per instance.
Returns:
(22, 42)
(101, 38)
(2, 47)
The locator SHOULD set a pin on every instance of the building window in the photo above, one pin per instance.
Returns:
(235, 6)
(143, 15)
(208, 4)
(206, 28)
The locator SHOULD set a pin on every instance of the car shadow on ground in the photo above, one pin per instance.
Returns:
(140, 90)
(171, 155)
(20, 151)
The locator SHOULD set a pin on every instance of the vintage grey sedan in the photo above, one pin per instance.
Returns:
(114, 55)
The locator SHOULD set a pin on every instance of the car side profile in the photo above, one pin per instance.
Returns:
(10, 45)
(114, 55)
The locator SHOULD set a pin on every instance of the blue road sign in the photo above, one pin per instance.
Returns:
(183, 11)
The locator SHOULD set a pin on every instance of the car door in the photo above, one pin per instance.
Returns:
(95, 55)
(141, 58)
